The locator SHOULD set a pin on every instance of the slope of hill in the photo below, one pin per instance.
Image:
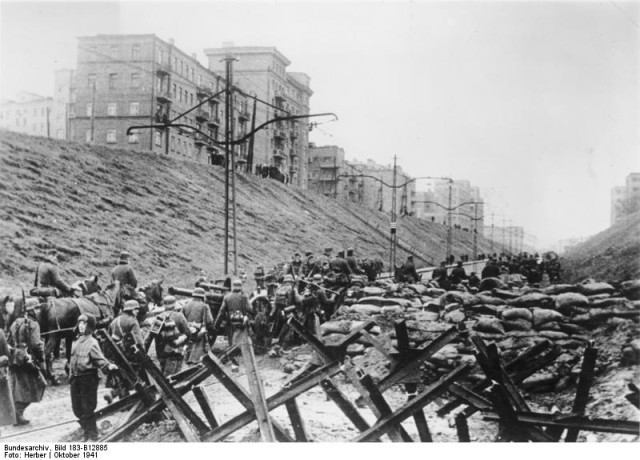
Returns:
(611, 255)
(87, 203)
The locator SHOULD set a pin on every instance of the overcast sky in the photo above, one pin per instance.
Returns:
(537, 103)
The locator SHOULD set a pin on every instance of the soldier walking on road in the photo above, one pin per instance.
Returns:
(27, 364)
(174, 333)
(199, 320)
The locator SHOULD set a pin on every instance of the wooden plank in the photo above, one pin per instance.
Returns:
(418, 416)
(376, 344)
(462, 428)
(178, 415)
(297, 423)
(402, 336)
(205, 405)
(218, 370)
(470, 397)
(405, 369)
(292, 391)
(397, 433)
(421, 400)
(312, 340)
(584, 385)
(354, 334)
(256, 389)
(344, 404)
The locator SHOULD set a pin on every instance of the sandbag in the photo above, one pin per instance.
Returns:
(335, 327)
(518, 324)
(512, 314)
(372, 291)
(455, 316)
(488, 284)
(551, 326)
(504, 294)
(355, 349)
(556, 289)
(418, 288)
(462, 298)
(570, 299)
(381, 301)
(365, 309)
(543, 315)
(391, 309)
(611, 302)
(489, 325)
(593, 298)
(435, 292)
(595, 288)
(553, 335)
(631, 289)
(535, 299)
(489, 300)
(494, 310)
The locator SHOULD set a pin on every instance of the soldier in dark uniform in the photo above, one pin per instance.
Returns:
(258, 275)
(440, 272)
(48, 275)
(458, 274)
(408, 273)
(124, 273)
(474, 281)
(236, 309)
(125, 331)
(323, 261)
(199, 320)
(341, 268)
(490, 270)
(173, 334)
(353, 263)
(7, 409)
(27, 364)
(86, 359)
(295, 267)
(325, 306)
(308, 264)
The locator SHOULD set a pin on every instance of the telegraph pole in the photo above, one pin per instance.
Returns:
(93, 111)
(491, 233)
(392, 254)
(228, 159)
(475, 231)
(449, 235)
(504, 238)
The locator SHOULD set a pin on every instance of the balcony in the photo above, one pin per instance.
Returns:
(279, 134)
(244, 115)
(202, 116)
(164, 97)
(163, 70)
(203, 92)
(294, 134)
(278, 155)
(293, 153)
(213, 121)
(200, 140)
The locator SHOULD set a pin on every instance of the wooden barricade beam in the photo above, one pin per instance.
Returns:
(238, 392)
(205, 405)
(397, 433)
(462, 428)
(343, 403)
(297, 422)
(584, 386)
(421, 400)
(290, 392)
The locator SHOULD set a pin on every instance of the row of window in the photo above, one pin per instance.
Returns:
(112, 137)
(114, 79)
(42, 111)
(112, 109)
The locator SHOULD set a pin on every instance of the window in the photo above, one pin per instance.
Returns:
(157, 137)
(114, 50)
(199, 80)
(191, 98)
(174, 90)
(134, 108)
(160, 56)
(111, 136)
(135, 80)
(111, 109)
(113, 80)
(135, 51)
(180, 93)
(87, 135)
(60, 134)
(133, 138)
(89, 110)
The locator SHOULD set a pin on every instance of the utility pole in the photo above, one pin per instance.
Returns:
(449, 231)
(93, 111)
(335, 176)
(253, 126)
(228, 159)
(491, 233)
(475, 231)
(504, 238)
(510, 237)
(48, 122)
(392, 254)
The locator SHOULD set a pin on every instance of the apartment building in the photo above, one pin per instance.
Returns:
(34, 115)
(437, 196)
(625, 199)
(262, 72)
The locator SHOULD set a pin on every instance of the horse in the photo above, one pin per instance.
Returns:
(58, 318)
(153, 294)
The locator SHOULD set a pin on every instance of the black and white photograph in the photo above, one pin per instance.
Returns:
(318, 222)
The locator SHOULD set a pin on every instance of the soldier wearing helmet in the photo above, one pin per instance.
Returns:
(237, 310)
(48, 276)
(353, 263)
(27, 364)
(199, 319)
(86, 359)
(124, 273)
(173, 335)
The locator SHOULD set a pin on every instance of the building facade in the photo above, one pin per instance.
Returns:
(625, 199)
(438, 196)
(137, 80)
(261, 71)
(34, 115)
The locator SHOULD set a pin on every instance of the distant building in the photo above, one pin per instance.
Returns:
(35, 115)
(262, 71)
(437, 196)
(625, 200)
(509, 239)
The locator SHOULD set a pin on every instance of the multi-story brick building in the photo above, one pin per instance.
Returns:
(326, 165)
(261, 71)
(128, 80)
(432, 203)
(625, 199)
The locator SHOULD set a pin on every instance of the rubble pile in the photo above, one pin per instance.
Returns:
(568, 316)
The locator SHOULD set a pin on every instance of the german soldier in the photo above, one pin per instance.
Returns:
(7, 409)
(27, 363)
(124, 273)
(353, 263)
(174, 333)
(48, 276)
(86, 359)
(199, 320)
(341, 268)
